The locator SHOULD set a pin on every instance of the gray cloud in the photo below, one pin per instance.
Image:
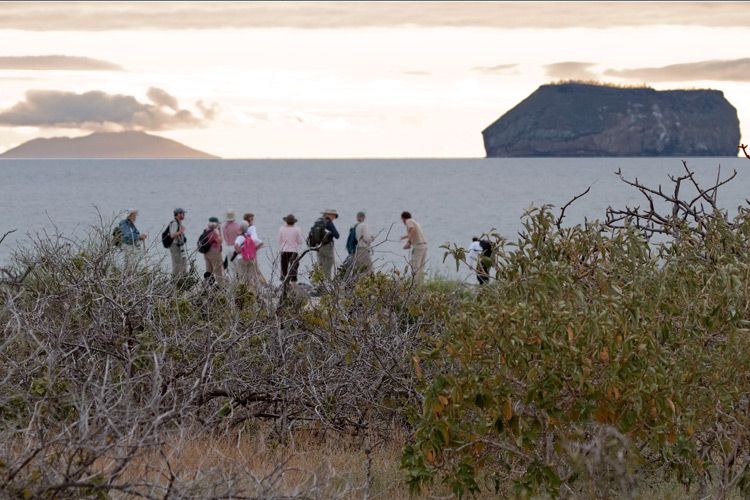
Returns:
(571, 71)
(501, 69)
(733, 70)
(162, 98)
(96, 110)
(103, 16)
(54, 62)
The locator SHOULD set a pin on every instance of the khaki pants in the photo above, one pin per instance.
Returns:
(214, 264)
(326, 260)
(362, 261)
(179, 260)
(231, 270)
(417, 262)
(248, 273)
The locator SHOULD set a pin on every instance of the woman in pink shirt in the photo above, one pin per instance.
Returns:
(290, 238)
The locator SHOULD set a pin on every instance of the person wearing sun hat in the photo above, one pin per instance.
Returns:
(326, 252)
(129, 239)
(230, 231)
(290, 239)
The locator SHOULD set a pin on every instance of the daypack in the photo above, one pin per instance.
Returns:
(166, 239)
(204, 244)
(317, 233)
(248, 248)
(351, 241)
(117, 237)
(486, 248)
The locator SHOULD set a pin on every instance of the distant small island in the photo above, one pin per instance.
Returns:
(592, 120)
(105, 145)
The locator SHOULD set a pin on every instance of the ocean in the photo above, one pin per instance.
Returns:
(453, 199)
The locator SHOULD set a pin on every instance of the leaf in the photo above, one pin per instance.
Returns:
(508, 409)
(604, 356)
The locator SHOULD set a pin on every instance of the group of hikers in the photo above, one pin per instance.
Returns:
(230, 250)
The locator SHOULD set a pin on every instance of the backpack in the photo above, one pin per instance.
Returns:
(486, 248)
(248, 248)
(204, 244)
(166, 239)
(351, 241)
(117, 237)
(317, 233)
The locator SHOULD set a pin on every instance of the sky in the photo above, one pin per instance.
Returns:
(332, 79)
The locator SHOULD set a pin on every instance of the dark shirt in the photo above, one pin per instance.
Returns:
(330, 227)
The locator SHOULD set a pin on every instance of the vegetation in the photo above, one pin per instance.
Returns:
(594, 359)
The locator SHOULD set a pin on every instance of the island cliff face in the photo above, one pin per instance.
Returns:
(575, 119)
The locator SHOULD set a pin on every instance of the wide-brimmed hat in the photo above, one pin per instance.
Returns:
(330, 211)
(230, 215)
(289, 219)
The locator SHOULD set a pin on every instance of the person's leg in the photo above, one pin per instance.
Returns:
(294, 267)
(179, 262)
(418, 260)
(326, 260)
(217, 266)
(285, 266)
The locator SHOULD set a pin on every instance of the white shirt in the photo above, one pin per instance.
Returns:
(475, 250)
(253, 234)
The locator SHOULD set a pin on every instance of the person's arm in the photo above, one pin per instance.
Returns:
(219, 237)
(332, 229)
(254, 236)
(181, 229)
(300, 240)
(409, 234)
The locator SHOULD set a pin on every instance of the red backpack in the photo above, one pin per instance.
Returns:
(248, 248)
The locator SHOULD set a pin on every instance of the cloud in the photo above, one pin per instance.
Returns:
(103, 16)
(417, 73)
(732, 70)
(57, 62)
(96, 110)
(571, 71)
(500, 69)
(162, 98)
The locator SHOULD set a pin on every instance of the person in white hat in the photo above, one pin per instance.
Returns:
(230, 230)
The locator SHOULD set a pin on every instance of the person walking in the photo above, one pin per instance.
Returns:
(214, 264)
(130, 238)
(290, 239)
(417, 244)
(177, 249)
(129, 234)
(247, 263)
(362, 257)
(229, 233)
(326, 252)
(479, 252)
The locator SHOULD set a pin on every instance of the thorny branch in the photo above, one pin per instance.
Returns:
(107, 365)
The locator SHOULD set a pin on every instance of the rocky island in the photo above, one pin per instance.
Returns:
(588, 120)
(105, 145)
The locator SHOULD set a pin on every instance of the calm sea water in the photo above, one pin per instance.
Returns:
(453, 199)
